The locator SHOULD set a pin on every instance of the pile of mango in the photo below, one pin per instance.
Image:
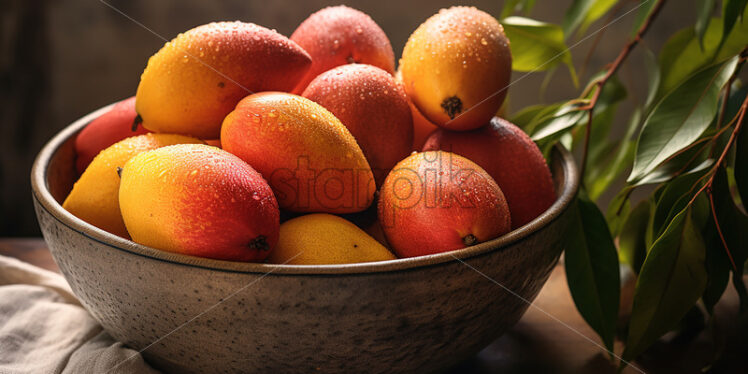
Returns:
(242, 144)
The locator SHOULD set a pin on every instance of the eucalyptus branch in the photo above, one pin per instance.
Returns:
(599, 84)
(721, 159)
(733, 136)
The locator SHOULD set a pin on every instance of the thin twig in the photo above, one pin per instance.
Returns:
(719, 229)
(612, 70)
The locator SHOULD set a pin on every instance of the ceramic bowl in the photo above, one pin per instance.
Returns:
(197, 315)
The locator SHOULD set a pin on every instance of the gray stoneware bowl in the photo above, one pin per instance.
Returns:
(199, 315)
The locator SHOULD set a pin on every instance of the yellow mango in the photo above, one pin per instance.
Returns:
(94, 197)
(318, 239)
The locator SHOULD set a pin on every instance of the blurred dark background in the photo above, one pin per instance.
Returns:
(62, 59)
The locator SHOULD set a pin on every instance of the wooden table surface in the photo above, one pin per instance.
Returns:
(551, 337)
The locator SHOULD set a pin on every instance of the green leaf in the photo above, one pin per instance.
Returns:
(671, 52)
(703, 18)
(653, 76)
(601, 178)
(668, 170)
(632, 245)
(564, 118)
(575, 14)
(731, 9)
(537, 46)
(680, 118)
(531, 115)
(592, 269)
(597, 10)
(618, 210)
(672, 279)
(508, 8)
(671, 198)
(518, 6)
(680, 58)
(603, 116)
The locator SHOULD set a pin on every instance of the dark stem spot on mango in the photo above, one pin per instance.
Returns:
(452, 106)
(469, 240)
(119, 171)
(355, 246)
(259, 243)
(221, 84)
(138, 120)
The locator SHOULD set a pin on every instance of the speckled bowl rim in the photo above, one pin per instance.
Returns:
(44, 197)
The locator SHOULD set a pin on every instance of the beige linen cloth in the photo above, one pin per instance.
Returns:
(44, 328)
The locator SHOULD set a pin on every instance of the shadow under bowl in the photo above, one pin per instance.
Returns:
(199, 315)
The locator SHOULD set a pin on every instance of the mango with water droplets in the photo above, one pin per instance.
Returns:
(308, 156)
(341, 35)
(456, 68)
(373, 106)
(511, 158)
(320, 239)
(94, 197)
(196, 79)
(199, 200)
(435, 202)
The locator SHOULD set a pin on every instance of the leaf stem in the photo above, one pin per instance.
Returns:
(611, 71)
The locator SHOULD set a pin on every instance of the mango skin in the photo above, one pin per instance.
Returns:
(511, 158)
(308, 156)
(201, 201)
(322, 239)
(456, 68)
(107, 129)
(95, 196)
(373, 106)
(340, 35)
(422, 127)
(435, 202)
(196, 79)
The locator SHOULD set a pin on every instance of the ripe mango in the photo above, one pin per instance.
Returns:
(373, 106)
(511, 158)
(107, 129)
(438, 201)
(198, 200)
(319, 239)
(456, 68)
(341, 35)
(94, 197)
(308, 156)
(196, 79)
